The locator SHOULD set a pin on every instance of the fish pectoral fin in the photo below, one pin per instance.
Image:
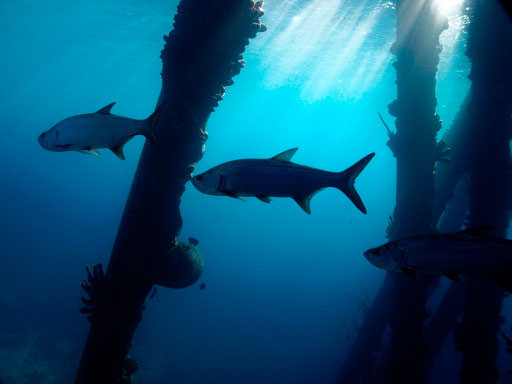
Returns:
(93, 151)
(233, 195)
(106, 109)
(84, 151)
(89, 151)
(504, 281)
(265, 199)
(286, 155)
(118, 151)
(409, 272)
(453, 277)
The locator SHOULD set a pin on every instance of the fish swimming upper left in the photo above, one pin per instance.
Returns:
(87, 133)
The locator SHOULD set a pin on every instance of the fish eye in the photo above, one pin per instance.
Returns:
(199, 177)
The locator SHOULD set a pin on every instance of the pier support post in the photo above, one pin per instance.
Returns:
(201, 55)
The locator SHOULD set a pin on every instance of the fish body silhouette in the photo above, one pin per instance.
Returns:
(469, 252)
(89, 132)
(278, 177)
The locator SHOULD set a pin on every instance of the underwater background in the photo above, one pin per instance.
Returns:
(285, 291)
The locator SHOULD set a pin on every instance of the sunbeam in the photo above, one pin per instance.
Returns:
(325, 47)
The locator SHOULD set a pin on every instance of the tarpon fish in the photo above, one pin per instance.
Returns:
(87, 133)
(469, 252)
(278, 177)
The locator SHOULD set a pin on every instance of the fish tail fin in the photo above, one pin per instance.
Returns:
(150, 132)
(348, 178)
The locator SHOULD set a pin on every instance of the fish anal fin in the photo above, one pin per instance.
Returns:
(265, 199)
(118, 151)
(409, 272)
(286, 155)
(304, 202)
(453, 276)
(479, 231)
(106, 109)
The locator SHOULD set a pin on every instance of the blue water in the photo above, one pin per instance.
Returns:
(284, 290)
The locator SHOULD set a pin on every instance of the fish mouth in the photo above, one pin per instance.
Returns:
(369, 254)
(42, 142)
(196, 183)
(376, 261)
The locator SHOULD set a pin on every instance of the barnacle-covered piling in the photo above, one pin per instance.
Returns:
(201, 55)
(419, 25)
(490, 185)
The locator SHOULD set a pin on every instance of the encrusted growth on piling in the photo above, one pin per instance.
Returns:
(200, 57)
(402, 301)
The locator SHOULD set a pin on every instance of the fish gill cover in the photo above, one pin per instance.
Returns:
(290, 297)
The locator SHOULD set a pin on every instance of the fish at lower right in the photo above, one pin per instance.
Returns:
(470, 252)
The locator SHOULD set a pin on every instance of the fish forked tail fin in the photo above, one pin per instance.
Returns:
(152, 120)
(348, 178)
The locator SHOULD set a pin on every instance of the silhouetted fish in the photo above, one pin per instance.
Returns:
(278, 177)
(202, 286)
(193, 241)
(469, 252)
(87, 133)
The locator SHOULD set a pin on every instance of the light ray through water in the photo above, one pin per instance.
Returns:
(328, 48)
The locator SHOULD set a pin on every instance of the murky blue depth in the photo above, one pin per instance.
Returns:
(284, 291)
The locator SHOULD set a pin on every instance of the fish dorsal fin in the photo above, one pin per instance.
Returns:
(106, 110)
(118, 151)
(286, 155)
(479, 231)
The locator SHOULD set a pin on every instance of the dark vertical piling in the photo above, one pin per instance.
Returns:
(490, 107)
(359, 364)
(419, 25)
(448, 174)
(201, 55)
